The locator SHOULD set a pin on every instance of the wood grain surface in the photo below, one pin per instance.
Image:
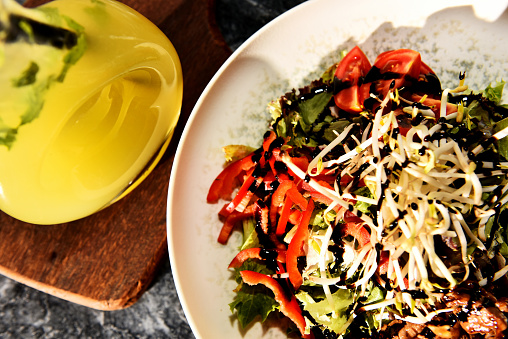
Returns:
(106, 261)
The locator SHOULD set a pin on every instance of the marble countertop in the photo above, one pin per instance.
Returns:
(28, 313)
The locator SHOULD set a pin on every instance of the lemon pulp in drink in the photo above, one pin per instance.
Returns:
(102, 129)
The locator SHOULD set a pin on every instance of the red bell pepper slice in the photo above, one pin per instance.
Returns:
(320, 197)
(256, 253)
(267, 141)
(278, 198)
(317, 196)
(350, 217)
(284, 217)
(300, 162)
(287, 190)
(244, 194)
(358, 231)
(297, 198)
(262, 217)
(230, 222)
(435, 105)
(223, 213)
(295, 248)
(330, 179)
(268, 179)
(295, 217)
(384, 261)
(276, 157)
(288, 307)
(224, 184)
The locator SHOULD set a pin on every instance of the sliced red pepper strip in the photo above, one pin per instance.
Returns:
(295, 217)
(272, 155)
(262, 216)
(435, 105)
(358, 231)
(320, 198)
(247, 198)
(223, 212)
(300, 162)
(284, 217)
(384, 261)
(317, 196)
(278, 198)
(276, 154)
(268, 179)
(257, 253)
(350, 217)
(230, 222)
(297, 198)
(288, 307)
(267, 141)
(244, 193)
(224, 184)
(287, 189)
(295, 248)
(329, 179)
(276, 157)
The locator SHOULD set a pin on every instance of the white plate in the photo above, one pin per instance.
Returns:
(286, 53)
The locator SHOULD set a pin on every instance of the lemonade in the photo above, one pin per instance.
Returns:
(102, 129)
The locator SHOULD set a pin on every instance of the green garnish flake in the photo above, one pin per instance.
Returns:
(77, 51)
(57, 43)
(28, 76)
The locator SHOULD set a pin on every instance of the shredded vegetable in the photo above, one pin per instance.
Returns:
(377, 214)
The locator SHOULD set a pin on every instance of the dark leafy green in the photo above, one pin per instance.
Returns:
(252, 301)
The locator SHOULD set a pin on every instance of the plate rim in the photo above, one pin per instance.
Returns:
(197, 107)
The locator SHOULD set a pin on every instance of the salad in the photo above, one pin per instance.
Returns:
(375, 206)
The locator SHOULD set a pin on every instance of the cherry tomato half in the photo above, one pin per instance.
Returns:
(402, 66)
(348, 79)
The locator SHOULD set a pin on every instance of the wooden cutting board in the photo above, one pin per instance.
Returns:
(106, 261)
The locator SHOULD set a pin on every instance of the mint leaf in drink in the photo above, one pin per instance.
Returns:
(37, 48)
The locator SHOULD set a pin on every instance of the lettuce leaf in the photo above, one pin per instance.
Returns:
(251, 305)
(251, 302)
(333, 318)
(360, 205)
(250, 236)
(236, 152)
(311, 108)
(502, 145)
(495, 93)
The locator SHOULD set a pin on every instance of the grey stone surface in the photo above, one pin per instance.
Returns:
(28, 313)
(239, 19)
